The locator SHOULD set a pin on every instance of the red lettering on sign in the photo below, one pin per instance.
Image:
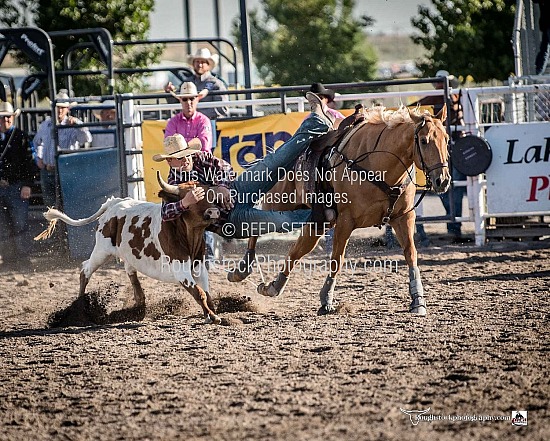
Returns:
(545, 183)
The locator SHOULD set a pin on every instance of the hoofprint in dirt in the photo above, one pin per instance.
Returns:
(277, 371)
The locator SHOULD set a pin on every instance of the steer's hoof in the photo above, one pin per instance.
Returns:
(212, 319)
(326, 310)
(418, 306)
(267, 290)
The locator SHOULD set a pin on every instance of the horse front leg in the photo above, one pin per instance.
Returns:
(342, 232)
(306, 242)
(404, 229)
(244, 268)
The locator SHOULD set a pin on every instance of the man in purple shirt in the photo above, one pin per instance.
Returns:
(194, 126)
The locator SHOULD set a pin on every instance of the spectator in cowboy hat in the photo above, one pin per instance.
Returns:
(202, 77)
(193, 125)
(104, 136)
(69, 139)
(16, 177)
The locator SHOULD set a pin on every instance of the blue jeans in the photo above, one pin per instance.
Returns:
(458, 194)
(14, 222)
(245, 220)
(47, 183)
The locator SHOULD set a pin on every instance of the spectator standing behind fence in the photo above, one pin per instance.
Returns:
(193, 125)
(16, 177)
(69, 139)
(104, 136)
(202, 77)
(544, 25)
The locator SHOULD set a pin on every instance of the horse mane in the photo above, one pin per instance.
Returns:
(392, 118)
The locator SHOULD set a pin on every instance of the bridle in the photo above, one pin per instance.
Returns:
(427, 170)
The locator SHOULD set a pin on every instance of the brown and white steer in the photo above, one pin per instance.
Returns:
(134, 232)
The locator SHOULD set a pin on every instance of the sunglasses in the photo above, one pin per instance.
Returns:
(187, 99)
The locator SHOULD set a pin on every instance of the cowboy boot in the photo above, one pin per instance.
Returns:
(319, 109)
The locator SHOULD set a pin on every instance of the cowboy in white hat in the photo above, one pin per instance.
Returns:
(69, 139)
(203, 61)
(195, 126)
(16, 177)
(175, 147)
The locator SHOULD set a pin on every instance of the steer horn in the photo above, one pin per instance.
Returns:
(172, 189)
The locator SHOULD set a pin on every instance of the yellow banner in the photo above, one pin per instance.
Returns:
(153, 135)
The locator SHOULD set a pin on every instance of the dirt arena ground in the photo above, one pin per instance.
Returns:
(275, 370)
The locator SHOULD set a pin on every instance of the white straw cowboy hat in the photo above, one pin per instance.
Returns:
(176, 147)
(63, 99)
(6, 109)
(204, 54)
(189, 90)
(108, 105)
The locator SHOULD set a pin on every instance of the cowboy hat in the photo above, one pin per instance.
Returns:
(189, 90)
(204, 54)
(63, 99)
(320, 90)
(6, 109)
(176, 147)
(105, 105)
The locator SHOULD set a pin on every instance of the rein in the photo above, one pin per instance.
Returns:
(393, 192)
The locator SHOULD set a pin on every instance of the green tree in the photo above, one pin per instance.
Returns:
(467, 37)
(124, 19)
(301, 42)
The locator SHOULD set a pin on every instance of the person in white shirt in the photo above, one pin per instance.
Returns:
(69, 139)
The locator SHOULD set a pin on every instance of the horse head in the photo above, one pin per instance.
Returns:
(430, 144)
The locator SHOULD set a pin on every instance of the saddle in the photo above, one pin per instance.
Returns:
(312, 162)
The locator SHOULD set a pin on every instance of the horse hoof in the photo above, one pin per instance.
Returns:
(326, 310)
(267, 290)
(212, 319)
(236, 276)
(419, 310)
(418, 306)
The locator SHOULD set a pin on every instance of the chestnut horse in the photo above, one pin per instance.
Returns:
(386, 145)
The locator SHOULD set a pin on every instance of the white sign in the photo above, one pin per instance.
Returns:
(518, 179)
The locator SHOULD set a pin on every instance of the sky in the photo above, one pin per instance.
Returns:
(392, 16)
